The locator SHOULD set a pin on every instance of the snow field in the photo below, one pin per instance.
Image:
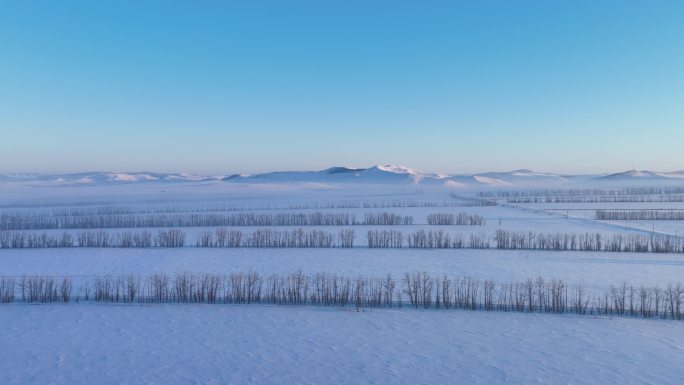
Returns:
(162, 344)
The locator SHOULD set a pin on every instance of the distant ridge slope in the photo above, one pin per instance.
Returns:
(642, 175)
(378, 174)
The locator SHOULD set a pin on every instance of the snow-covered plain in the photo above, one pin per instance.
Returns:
(174, 344)
(258, 344)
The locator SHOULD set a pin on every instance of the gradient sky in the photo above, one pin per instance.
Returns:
(249, 86)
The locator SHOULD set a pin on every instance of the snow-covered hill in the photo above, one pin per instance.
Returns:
(406, 175)
(636, 175)
(105, 177)
(385, 175)
(375, 174)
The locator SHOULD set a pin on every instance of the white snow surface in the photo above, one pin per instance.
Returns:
(217, 344)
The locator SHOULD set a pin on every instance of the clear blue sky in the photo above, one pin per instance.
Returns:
(248, 86)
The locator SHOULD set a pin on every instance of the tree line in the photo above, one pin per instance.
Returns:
(416, 290)
(468, 201)
(50, 222)
(640, 215)
(630, 243)
(460, 219)
(598, 199)
(97, 238)
(297, 238)
(346, 237)
(42, 221)
(582, 192)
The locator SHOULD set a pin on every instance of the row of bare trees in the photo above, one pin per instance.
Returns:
(387, 219)
(599, 199)
(418, 290)
(177, 238)
(44, 221)
(469, 201)
(640, 215)
(627, 191)
(421, 239)
(97, 238)
(512, 240)
(439, 239)
(385, 238)
(460, 219)
(223, 237)
(28, 240)
(630, 243)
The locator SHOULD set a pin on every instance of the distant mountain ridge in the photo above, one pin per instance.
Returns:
(106, 177)
(642, 174)
(378, 174)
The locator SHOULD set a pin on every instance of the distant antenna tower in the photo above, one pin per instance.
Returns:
(633, 167)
